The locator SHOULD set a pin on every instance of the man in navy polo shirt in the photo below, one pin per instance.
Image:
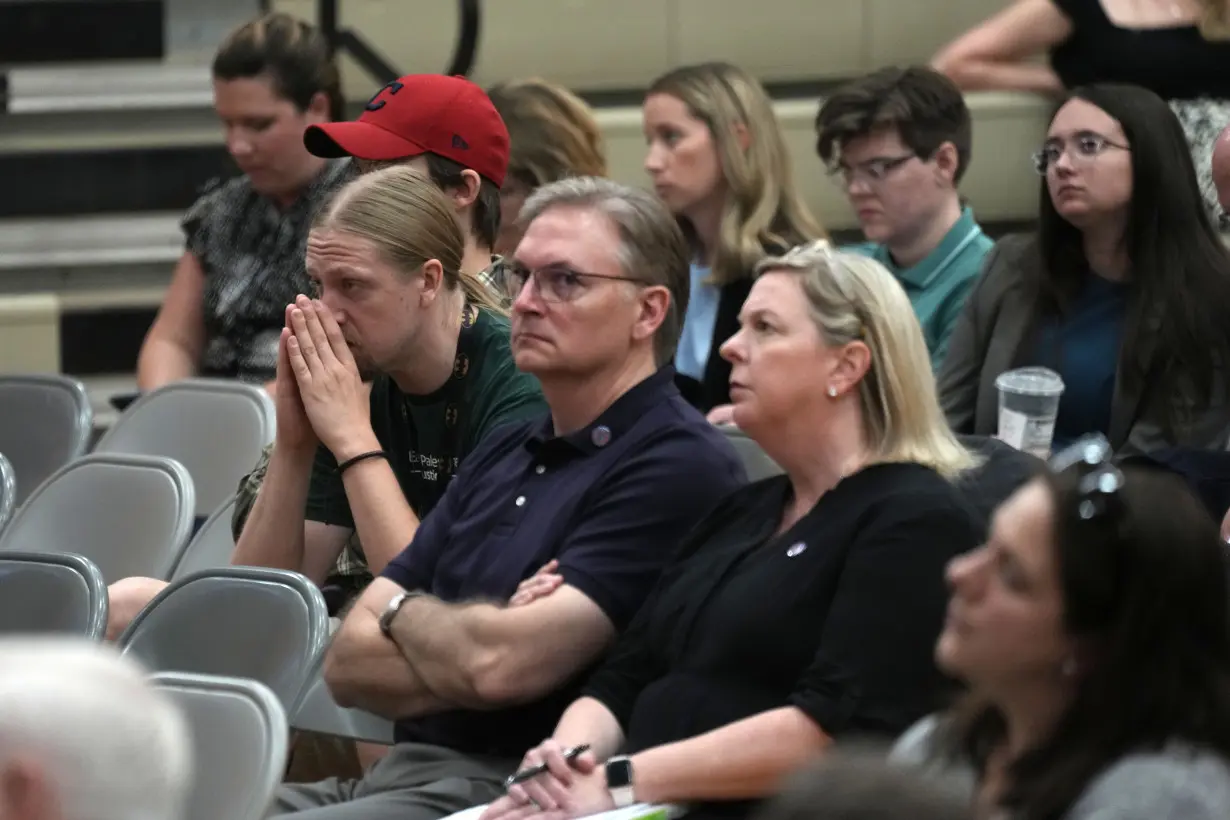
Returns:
(606, 484)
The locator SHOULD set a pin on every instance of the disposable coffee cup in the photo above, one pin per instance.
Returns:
(1028, 405)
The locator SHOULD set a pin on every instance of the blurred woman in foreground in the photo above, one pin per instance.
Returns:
(1092, 629)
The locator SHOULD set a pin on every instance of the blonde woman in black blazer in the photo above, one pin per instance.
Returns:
(718, 160)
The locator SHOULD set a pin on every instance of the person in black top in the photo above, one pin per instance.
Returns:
(1177, 49)
(805, 608)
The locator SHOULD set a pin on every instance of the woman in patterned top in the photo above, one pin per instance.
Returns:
(244, 248)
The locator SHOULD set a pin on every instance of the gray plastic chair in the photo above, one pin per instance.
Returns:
(212, 546)
(45, 422)
(51, 594)
(239, 743)
(756, 463)
(215, 428)
(8, 491)
(269, 625)
(320, 713)
(130, 515)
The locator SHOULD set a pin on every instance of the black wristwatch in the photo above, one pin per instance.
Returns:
(619, 781)
(395, 605)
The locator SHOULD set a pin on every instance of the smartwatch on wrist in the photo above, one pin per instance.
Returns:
(390, 611)
(619, 781)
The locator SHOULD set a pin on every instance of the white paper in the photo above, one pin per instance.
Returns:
(1012, 427)
(637, 811)
(1025, 432)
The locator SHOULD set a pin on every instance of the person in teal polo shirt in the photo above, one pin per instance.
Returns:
(898, 142)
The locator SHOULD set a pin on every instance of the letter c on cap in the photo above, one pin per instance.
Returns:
(375, 104)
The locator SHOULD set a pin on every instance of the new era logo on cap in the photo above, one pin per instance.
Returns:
(418, 114)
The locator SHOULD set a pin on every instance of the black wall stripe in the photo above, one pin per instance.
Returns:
(68, 31)
(56, 183)
(104, 341)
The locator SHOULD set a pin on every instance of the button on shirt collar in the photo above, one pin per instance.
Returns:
(610, 424)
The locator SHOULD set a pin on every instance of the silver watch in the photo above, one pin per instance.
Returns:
(390, 611)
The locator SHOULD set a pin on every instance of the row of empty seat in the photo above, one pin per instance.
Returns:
(110, 515)
(213, 428)
(235, 684)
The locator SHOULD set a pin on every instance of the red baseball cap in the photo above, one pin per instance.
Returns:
(421, 114)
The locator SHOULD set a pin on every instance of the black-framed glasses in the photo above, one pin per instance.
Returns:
(1086, 146)
(1100, 480)
(872, 172)
(555, 283)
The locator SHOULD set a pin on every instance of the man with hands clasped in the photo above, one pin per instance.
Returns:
(598, 490)
(385, 258)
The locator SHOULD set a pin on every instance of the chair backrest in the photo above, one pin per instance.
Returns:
(212, 545)
(8, 491)
(130, 515)
(269, 625)
(239, 743)
(320, 713)
(45, 422)
(757, 464)
(54, 594)
(215, 428)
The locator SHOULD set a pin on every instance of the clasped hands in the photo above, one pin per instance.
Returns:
(566, 790)
(320, 393)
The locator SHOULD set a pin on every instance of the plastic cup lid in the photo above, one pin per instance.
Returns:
(1031, 381)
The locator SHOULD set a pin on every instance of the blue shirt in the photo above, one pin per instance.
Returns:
(610, 501)
(696, 338)
(938, 285)
(1083, 348)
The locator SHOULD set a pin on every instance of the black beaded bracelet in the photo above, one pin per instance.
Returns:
(350, 462)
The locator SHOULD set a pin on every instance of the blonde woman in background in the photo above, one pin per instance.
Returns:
(805, 607)
(384, 259)
(718, 159)
(552, 135)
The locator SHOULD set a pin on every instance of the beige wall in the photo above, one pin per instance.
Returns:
(605, 44)
(29, 333)
(623, 44)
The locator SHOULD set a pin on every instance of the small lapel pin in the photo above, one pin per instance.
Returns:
(795, 549)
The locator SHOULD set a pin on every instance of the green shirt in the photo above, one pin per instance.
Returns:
(937, 286)
(426, 437)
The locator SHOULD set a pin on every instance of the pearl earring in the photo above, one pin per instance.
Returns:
(832, 392)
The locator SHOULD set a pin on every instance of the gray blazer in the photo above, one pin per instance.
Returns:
(988, 340)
